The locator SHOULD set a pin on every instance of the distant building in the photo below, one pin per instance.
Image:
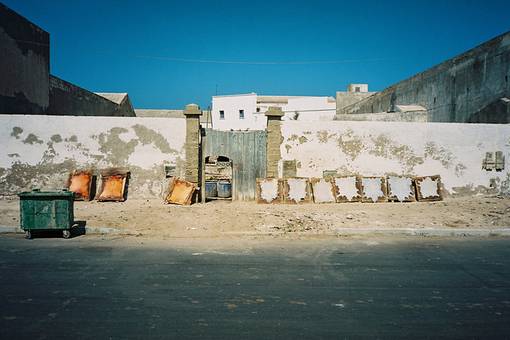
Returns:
(26, 85)
(247, 111)
(354, 94)
(357, 88)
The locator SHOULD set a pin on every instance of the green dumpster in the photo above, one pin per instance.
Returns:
(47, 210)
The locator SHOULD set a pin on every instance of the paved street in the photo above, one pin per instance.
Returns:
(94, 287)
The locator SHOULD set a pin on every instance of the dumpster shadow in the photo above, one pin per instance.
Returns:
(47, 233)
(78, 228)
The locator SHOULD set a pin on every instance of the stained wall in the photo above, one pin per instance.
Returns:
(40, 151)
(454, 151)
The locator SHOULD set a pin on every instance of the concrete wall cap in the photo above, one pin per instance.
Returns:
(192, 110)
(274, 111)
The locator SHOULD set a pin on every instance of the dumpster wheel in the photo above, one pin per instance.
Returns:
(28, 234)
(66, 233)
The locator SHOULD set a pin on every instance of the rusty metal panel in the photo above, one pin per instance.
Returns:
(113, 185)
(180, 192)
(81, 182)
(247, 151)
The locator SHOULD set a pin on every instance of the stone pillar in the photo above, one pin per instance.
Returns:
(192, 113)
(274, 140)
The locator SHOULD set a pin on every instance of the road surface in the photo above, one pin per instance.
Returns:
(104, 287)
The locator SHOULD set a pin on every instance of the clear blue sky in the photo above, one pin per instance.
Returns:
(137, 46)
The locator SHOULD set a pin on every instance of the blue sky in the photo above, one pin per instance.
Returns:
(166, 54)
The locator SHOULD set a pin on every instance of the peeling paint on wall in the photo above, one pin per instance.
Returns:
(384, 146)
(453, 151)
(56, 138)
(54, 146)
(16, 132)
(350, 144)
(149, 136)
(31, 139)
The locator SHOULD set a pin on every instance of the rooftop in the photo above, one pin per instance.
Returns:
(117, 98)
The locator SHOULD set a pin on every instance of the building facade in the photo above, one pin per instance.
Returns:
(247, 111)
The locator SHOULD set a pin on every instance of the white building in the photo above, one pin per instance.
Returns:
(246, 111)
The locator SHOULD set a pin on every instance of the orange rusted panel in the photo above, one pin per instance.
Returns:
(113, 185)
(180, 192)
(80, 182)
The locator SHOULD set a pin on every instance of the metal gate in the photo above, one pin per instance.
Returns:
(247, 151)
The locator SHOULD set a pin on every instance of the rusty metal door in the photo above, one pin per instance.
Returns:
(247, 151)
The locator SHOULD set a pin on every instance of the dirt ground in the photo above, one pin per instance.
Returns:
(216, 218)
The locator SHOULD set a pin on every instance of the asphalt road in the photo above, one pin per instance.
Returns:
(89, 287)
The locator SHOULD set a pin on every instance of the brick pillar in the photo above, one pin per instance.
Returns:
(274, 140)
(192, 113)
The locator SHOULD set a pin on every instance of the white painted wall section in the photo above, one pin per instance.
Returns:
(453, 151)
(40, 151)
(231, 105)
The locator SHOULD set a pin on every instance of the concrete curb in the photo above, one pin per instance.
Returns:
(425, 232)
(420, 232)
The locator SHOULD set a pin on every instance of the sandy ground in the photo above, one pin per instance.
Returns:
(152, 217)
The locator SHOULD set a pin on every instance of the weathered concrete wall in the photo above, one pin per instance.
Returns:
(418, 117)
(455, 90)
(69, 99)
(454, 151)
(24, 64)
(344, 99)
(40, 151)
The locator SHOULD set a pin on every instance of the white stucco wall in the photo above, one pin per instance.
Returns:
(40, 151)
(310, 109)
(231, 106)
(454, 151)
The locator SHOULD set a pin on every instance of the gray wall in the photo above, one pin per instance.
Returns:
(24, 64)
(417, 117)
(69, 99)
(461, 89)
(344, 99)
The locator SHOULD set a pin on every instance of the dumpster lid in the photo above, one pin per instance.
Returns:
(39, 193)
